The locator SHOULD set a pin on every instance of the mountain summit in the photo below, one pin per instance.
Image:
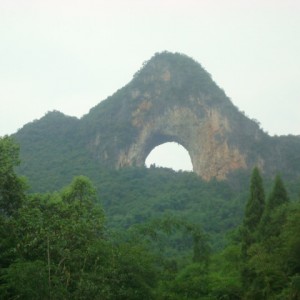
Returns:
(170, 99)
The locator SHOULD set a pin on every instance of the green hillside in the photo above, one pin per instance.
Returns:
(133, 196)
(171, 98)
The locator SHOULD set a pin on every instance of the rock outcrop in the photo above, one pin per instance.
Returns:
(172, 98)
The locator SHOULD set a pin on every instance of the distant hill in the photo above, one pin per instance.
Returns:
(171, 98)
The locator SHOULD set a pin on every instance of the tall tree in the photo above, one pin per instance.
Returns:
(256, 203)
(274, 215)
(252, 217)
(12, 187)
(12, 194)
(278, 195)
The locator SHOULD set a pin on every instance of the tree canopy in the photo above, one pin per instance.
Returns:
(62, 245)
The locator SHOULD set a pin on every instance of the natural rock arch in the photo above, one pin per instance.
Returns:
(172, 99)
(159, 135)
(210, 157)
(171, 155)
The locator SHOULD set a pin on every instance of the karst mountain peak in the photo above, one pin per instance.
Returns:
(172, 98)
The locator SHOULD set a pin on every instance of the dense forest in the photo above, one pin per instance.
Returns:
(147, 234)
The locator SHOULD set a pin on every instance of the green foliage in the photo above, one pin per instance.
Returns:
(27, 279)
(267, 271)
(191, 283)
(274, 215)
(58, 233)
(58, 246)
(9, 156)
(51, 152)
(253, 213)
(256, 203)
(290, 236)
(80, 190)
(225, 274)
(136, 195)
(278, 195)
(163, 234)
(252, 217)
(188, 77)
(12, 187)
(61, 241)
(12, 195)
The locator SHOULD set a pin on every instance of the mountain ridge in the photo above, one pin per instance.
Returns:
(171, 98)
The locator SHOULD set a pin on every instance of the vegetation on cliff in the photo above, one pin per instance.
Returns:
(56, 148)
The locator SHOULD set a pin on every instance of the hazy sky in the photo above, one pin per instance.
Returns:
(69, 55)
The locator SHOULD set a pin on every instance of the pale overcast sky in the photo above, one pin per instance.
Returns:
(69, 55)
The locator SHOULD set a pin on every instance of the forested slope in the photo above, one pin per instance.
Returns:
(57, 147)
(63, 245)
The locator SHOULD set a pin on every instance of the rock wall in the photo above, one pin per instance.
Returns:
(204, 138)
(166, 103)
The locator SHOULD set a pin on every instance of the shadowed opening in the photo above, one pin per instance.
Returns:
(170, 155)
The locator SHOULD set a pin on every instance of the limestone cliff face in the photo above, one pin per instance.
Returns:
(172, 98)
(204, 138)
(192, 117)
